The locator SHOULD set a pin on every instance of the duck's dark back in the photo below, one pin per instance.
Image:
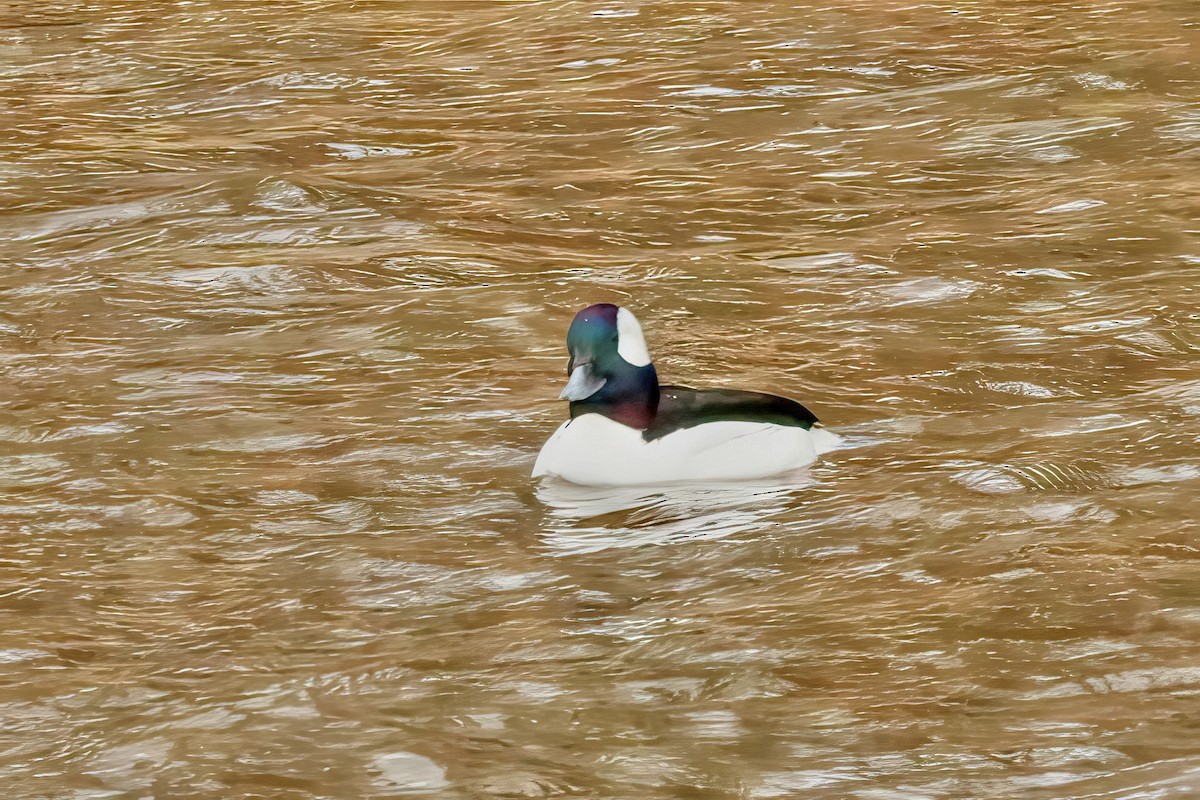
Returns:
(681, 407)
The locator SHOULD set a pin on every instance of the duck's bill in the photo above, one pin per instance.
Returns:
(583, 384)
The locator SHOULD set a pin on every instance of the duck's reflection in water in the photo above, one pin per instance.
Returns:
(584, 519)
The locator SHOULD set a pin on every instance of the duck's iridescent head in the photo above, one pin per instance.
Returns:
(604, 341)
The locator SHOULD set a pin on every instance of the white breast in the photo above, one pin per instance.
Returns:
(593, 450)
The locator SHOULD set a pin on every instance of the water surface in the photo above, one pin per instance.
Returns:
(284, 294)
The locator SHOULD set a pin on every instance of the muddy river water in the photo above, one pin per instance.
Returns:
(283, 292)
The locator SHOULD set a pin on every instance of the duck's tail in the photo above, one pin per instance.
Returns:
(823, 439)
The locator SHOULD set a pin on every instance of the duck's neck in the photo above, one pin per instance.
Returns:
(629, 396)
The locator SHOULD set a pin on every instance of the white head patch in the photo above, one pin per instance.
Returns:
(631, 345)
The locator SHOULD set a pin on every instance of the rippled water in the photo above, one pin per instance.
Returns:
(284, 293)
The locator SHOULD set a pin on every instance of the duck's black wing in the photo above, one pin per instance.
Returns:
(680, 407)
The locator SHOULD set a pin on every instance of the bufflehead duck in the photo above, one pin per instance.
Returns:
(627, 430)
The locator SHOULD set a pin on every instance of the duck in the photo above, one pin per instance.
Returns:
(626, 429)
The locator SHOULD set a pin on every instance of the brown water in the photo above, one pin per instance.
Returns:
(285, 287)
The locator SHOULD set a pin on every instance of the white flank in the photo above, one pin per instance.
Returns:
(593, 450)
(631, 345)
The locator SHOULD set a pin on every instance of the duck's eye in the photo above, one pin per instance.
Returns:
(614, 338)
